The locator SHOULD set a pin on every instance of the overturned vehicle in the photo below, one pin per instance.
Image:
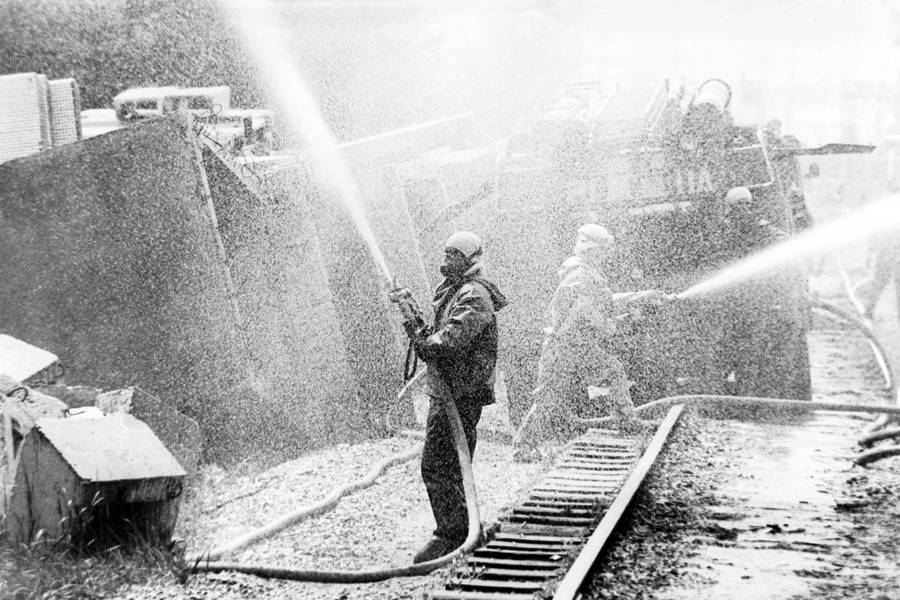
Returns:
(654, 166)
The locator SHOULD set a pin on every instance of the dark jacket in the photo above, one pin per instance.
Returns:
(460, 348)
(774, 296)
(742, 239)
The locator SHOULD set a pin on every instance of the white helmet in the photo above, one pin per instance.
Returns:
(738, 195)
(593, 235)
(466, 242)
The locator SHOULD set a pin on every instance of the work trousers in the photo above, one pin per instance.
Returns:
(440, 467)
(763, 344)
(564, 373)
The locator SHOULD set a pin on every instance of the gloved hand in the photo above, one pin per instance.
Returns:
(404, 300)
(646, 302)
(656, 298)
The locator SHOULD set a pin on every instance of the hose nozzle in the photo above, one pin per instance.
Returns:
(404, 300)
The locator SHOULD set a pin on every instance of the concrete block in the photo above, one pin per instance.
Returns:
(179, 433)
(75, 396)
(107, 479)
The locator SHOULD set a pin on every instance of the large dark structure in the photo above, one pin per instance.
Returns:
(143, 258)
(654, 166)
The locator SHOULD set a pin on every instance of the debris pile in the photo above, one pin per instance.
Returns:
(108, 470)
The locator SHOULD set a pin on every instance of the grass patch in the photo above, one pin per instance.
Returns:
(56, 570)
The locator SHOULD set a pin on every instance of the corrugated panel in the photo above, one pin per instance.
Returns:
(20, 116)
(43, 101)
(64, 111)
(110, 448)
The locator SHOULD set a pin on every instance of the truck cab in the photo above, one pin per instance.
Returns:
(210, 107)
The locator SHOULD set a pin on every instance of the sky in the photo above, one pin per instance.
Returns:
(783, 40)
(804, 55)
(809, 62)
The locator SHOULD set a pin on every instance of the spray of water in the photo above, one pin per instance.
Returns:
(266, 42)
(874, 219)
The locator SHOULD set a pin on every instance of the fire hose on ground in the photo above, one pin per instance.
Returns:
(725, 406)
(320, 507)
(873, 433)
(203, 562)
(722, 404)
(877, 347)
(849, 288)
(729, 404)
(878, 429)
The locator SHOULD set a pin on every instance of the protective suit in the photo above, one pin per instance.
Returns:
(460, 350)
(762, 325)
(887, 267)
(578, 350)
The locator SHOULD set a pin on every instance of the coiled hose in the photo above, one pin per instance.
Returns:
(204, 563)
(878, 430)
(883, 420)
(877, 347)
(885, 416)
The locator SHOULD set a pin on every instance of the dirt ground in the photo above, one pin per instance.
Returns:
(379, 527)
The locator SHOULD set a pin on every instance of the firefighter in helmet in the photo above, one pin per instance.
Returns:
(745, 231)
(578, 348)
(758, 318)
(887, 267)
(460, 350)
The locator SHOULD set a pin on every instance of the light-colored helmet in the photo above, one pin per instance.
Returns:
(594, 235)
(738, 195)
(466, 242)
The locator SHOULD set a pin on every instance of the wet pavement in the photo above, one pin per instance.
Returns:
(779, 526)
(773, 510)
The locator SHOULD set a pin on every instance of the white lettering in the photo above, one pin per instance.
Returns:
(705, 181)
(679, 184)
(691, 182)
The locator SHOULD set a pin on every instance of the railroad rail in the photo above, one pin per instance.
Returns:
(546, 545)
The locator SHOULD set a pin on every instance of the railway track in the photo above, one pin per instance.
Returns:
(545, 545)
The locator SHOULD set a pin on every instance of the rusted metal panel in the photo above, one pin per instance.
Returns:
(282, 293)
(180, 434)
